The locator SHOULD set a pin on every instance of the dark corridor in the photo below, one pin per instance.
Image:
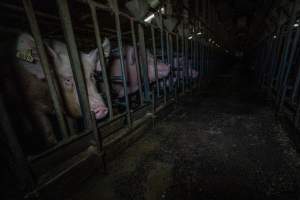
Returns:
(222, 143)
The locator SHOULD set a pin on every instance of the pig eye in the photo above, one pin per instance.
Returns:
(68, 82)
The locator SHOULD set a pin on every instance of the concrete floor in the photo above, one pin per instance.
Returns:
(221, 143)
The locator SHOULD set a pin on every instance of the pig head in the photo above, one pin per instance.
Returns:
(59, 53)
(36, 90)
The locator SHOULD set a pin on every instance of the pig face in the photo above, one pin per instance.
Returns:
(64, 71)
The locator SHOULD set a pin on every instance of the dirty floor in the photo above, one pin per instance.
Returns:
(221, 143)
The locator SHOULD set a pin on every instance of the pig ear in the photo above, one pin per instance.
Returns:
(93, 55)
(106, 47)
(51, 51)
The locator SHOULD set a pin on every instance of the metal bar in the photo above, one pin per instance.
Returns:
(169, 61)
(177, 63)
(173, 84)
(162, 46)
(267, 62)
(191, 62)
(289, 66)
(102, 59)
(276, 61)
(297, 84)
(144, 64)
(165, 90)
(97, 137)
(52, 85)
(183, 63)
(202, 58)
(273, 60)
(195, 65)
(120, 45)
(287, 47)
(155, 61)
(75, 60)
(137, 61)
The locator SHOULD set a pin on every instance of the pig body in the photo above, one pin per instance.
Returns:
(34, 89)
(131, 72)
(180, 63)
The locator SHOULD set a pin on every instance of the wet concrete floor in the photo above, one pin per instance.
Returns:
(220, 143)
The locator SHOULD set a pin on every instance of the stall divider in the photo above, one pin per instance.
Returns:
(101, 56)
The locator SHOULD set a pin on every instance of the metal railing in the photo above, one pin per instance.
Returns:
(277, 67)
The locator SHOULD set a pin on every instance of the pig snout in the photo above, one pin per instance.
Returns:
(99, 109)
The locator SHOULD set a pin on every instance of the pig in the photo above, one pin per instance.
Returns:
(180, 63)
(35, 89)
(131, 72)
(163, 70)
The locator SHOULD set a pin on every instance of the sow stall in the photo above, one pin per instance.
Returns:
(83, 25)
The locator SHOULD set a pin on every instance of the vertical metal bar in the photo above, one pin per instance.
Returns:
(173, 84)
(273, 57)
(202, 58)
(98, 140)
(102, 60)
(199, 62)
(123, 70)
(165, 90)
(168, 57)
(155, 60)
(188, 64)
(75, 60)
(144, 63)
(195, 59)
(183, 62)
(169, 61)
(186, 67)
(52, 85)
(177, 63)
(289, 66)
(287, 46)
(268, 62)
(162, 38)
(297, 116)
(191, 62)
(296, 85)
(137, 61)
(276, 62)
(163, 54)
